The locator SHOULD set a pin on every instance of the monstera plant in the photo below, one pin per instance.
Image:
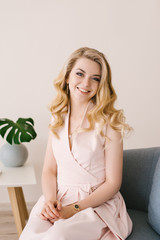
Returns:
(14, 153)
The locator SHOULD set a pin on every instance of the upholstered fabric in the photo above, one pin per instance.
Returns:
(138, 171)
(141, 229)
(141, 169)
(154, 201)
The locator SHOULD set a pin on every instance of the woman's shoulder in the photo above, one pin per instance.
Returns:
(111, 133)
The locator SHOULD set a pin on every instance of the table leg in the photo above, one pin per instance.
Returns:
(23, 207)
(19, 208)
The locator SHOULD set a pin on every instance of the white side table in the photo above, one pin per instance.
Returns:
(14, 179)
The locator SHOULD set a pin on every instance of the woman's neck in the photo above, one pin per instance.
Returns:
(77, 109)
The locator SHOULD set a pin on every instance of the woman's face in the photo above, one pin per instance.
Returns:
(84, 80)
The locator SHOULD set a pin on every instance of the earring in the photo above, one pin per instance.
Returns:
(67, 89)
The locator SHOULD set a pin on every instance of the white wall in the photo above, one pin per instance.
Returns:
(36, 37)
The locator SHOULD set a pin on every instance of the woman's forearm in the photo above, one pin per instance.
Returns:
(101, 195)
(49, 186)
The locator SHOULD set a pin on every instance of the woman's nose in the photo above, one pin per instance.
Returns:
(86, 81)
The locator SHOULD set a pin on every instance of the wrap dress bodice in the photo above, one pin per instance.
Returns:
(81, 169)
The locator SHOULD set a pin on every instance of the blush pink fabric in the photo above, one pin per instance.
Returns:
(80, 171)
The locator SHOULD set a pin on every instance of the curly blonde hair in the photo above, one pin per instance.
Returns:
(103, 111)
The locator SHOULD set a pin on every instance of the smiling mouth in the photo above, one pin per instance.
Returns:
(83, 90)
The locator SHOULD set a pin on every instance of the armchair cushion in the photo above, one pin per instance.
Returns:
(141, 229)
(154, 201)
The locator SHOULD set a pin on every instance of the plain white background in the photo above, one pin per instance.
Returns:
(37, 36)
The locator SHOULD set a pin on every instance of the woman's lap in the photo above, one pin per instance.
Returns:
(83, 225)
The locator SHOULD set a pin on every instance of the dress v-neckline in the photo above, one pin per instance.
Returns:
(70, 150)
(80, 126)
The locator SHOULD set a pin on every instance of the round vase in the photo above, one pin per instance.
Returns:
(14, 155)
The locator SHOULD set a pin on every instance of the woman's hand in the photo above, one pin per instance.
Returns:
(51, 210)
(65, 212)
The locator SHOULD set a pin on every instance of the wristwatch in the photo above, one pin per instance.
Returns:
(76, 207)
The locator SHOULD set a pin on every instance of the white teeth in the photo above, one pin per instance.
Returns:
(82, 90)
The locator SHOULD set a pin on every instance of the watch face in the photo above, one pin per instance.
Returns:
(76, 206)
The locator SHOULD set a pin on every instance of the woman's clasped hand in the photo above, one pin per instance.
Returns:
(53, 211)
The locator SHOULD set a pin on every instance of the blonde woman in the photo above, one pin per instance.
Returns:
(82, 171)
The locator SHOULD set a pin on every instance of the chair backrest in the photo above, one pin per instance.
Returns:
(138, 170)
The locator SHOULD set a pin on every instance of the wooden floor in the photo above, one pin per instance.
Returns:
(7, 225)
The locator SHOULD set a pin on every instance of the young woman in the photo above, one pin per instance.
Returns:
(82, 171)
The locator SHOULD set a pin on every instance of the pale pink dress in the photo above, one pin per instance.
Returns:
(80, 171)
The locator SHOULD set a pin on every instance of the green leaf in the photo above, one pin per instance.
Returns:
(24, 137)
(16, 137)
(21, 131)
(4, 130)
(10, 135)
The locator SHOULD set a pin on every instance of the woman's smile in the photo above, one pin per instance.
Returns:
(82, 90)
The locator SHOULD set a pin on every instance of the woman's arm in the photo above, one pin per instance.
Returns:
(113, 168)
(49, 183)
(49, 173)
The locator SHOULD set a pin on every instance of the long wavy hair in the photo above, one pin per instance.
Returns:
(103, 111)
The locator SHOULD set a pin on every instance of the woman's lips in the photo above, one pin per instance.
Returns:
(83, 90)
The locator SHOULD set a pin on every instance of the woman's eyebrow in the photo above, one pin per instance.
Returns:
(85, 72)
(97, 75)
(81, 70)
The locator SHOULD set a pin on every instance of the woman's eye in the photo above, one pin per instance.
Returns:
(79, 74)
(96, 79)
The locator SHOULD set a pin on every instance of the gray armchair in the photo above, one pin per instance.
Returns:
(139, 188)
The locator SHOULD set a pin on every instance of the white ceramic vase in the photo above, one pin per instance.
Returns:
(14, 155)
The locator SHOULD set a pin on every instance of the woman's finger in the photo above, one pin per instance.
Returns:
(50, 211)
(43, 217)
(53, 221)
(59, 205)
(54, 210)
(45, 214)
